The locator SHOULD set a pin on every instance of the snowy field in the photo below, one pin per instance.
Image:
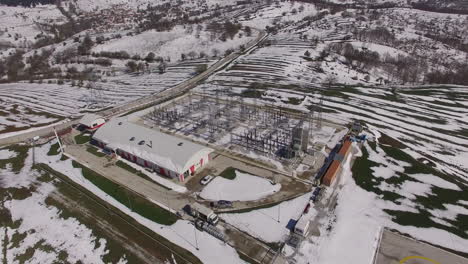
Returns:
(281, 64)
(20, 25)
(45, 226)
(244, 187)
(181, 233)
(412, 176)
(31, 104)
(361, 214)
(39, 227)
(172, 44)
(280, 11)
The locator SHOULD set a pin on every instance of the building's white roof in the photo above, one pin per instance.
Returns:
(89, 119)
(164, 150)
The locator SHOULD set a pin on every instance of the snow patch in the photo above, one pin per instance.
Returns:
(245, 187)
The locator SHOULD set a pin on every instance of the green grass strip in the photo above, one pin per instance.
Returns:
(132, 201)
(139, 173)
(95, 151)
(54, 150)
(82, 138)
(16, 162)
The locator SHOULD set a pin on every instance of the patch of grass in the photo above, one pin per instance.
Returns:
(45, 177)
(386, 140)
(16, 239)
(246, 258)
(95, 151)
(17, 162)
(20, 193)
(334, 93)
(415, 165)
(54, 150)
(251, 93)
(373, 145)
(29, 252)
(294, 101)
(423, 219)
(229, 173)
(436, 199)
(129, 168)
(82, 138)
(275, 245)
(134, 202)
(364, 178)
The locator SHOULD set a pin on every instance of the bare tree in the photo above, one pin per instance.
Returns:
(215, 52)
(330, 80)
(192, 54)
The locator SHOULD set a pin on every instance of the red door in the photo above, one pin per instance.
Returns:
(201, 162)
(146, 163)
(134, 158)
(181, 177)
(192, 169)
(162, 171)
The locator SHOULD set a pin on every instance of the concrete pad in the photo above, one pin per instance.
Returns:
(397, 249)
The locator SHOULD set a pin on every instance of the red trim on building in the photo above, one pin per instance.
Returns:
(95, 127)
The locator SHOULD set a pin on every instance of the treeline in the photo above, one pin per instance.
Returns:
(37, 65)
(380, 35)
(401, 67)
(26, 3)
(321, 4)
(454, 42)
(451, 7)
(358, 57)
(457, 76)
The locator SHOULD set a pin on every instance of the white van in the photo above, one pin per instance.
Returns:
(204, 213)
(302, 225)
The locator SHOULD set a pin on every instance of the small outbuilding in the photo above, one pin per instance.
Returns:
(91, 122)
(167, 155)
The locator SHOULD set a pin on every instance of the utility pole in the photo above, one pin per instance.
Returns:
(33, 142)
(58, 140)
(195, 231)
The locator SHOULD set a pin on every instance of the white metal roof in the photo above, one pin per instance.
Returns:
(89, 119)
(201, 209)
(164, 150)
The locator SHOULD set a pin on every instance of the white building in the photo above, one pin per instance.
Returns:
(167, 155)
(92, 121)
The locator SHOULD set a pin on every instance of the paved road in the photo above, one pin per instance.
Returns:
(146, 101)
(21, 137)
(394, 249)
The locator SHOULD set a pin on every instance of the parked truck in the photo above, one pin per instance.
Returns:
(302, 225)
(202, 212)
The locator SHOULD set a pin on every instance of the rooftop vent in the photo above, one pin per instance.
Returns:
(141, 142)
(120, 123)
(132, 138)
(180, 144)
